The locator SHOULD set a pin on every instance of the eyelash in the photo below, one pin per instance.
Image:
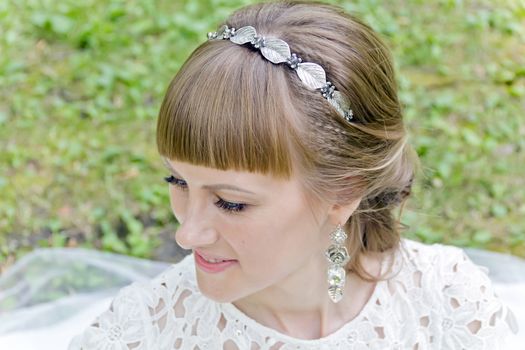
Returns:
(229, 207)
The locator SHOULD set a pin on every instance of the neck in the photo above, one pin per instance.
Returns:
(300, 306)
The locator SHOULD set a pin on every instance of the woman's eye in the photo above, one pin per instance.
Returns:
(176, 182)
(229, 207)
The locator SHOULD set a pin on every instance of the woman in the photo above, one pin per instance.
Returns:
(286, 151)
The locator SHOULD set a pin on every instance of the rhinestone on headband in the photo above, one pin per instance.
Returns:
(277, 51)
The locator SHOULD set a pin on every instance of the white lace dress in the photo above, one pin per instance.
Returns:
(438, 300)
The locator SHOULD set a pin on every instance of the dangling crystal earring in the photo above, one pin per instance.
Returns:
(337, 256)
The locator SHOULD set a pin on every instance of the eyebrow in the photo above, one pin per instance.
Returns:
(210, 187)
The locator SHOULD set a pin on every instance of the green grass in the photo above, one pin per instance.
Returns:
(81, 84)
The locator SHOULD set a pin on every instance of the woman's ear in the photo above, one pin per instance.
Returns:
(347, 200)
(340, 213)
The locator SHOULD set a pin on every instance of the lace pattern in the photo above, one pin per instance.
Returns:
(438, 299)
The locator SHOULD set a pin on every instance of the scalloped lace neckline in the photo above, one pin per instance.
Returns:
(236, 313)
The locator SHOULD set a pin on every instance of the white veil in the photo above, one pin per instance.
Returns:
(52, 294)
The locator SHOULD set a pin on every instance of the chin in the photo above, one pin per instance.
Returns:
(219, 297)
(216, 292)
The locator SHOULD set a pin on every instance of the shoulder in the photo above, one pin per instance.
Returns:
(436, 255)
(468, 313)
(449, 269)
(139, 312)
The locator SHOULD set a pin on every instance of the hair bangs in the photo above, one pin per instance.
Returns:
(226, 109)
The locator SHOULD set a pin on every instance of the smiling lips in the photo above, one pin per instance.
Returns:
(212, 265)
(213, 260)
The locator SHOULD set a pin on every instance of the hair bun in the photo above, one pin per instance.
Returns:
(393, 198)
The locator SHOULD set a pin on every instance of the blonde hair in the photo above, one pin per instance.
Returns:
(229, 108)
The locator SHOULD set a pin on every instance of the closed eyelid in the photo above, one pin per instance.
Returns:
(230, 207)
(172, 179)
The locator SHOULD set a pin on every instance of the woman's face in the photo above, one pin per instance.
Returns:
(263, 223)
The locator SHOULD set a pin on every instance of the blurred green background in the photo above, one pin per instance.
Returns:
(81, 83)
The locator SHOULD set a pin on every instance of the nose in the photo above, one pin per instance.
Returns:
(195, 231)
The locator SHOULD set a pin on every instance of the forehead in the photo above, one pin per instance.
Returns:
(254, 180)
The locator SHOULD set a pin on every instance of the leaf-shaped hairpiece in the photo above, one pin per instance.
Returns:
(221, 30)
(342, 105)
(244, 35)
(277, 51)
(311, 74)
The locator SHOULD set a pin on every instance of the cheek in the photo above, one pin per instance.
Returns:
(287, 230)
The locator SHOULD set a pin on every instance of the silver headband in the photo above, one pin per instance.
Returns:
(277, 51)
